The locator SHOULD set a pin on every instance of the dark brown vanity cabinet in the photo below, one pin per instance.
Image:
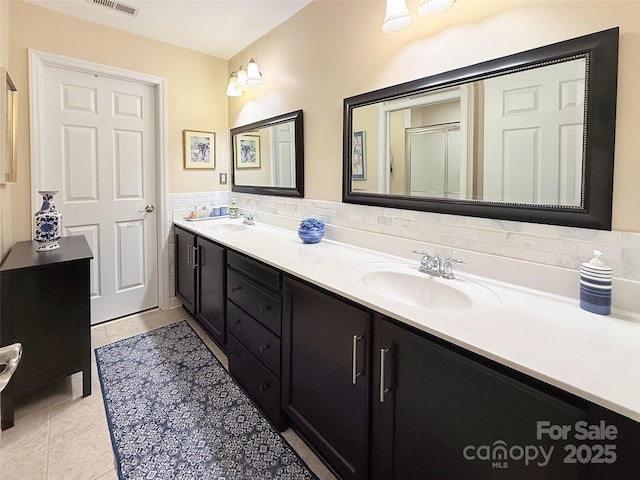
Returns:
(185, 268)
(434, 410)
(200, 281)
(380, 400)
(326, 375)
(443, 413)
(254, 316)
(211, 291)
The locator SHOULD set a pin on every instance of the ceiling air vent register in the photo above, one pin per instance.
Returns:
(117, 6)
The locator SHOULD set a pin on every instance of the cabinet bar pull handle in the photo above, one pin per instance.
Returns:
(383, 390)
(189, 255)
(196, 251)
(266, 308)
(264, 348)
(237, 321)
(354, 359)
(263, 387)
(236, 289)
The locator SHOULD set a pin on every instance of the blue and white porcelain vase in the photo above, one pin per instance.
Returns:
(311, 230)
(47, 223)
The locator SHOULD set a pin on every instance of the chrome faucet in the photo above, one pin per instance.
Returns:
(248, 218)
(433, 265)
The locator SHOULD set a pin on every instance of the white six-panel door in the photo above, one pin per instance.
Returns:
(99, 133)
(533, 135)
(283, 155)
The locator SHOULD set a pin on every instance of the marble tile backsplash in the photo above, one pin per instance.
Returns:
(551, 245)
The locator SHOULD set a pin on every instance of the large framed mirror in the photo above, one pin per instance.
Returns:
(527, 137)
(268, 156)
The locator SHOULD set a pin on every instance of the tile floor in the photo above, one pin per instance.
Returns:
(59, 435)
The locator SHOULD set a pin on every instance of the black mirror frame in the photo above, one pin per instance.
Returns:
(601, 51)
(298, 190)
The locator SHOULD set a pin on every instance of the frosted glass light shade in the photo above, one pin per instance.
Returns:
(397, 16)
(232, 91)
(241, 82)
(433, 7)
(254, 77)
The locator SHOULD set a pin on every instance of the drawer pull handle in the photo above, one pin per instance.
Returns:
(266, 308)
(265, 348)
(236, 289)
(383, 389)
(263, 387)
(354, 359)
(237, 321)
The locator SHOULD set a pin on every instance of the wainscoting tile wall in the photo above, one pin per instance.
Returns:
(545, 244)
(550, 245)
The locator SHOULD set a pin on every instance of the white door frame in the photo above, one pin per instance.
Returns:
(38, 60)
(384, 122)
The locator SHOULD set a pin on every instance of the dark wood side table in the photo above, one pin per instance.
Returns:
(45, 305)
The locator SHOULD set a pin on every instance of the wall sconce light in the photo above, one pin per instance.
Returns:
(397, 16)
(433, 7)
(254, 77)
(232, 86)
(243, 79)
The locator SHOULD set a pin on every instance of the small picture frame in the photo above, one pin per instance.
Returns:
(199, 150)
(358, 157)
(247, 151)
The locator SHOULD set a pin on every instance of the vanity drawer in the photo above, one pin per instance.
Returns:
(259, 383)
(259, 272)
(256, 338)
(257, 302)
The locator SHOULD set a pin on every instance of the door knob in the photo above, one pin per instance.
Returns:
(147, 209)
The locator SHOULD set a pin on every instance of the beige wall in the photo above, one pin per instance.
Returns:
(366, 119)
(6, 235)
(195, 92)
(331, 50)
(261, 175)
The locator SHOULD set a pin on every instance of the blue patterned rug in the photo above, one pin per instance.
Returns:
(175, 413)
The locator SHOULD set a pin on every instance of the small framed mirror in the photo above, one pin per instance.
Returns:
(268, 156)
(528, 137)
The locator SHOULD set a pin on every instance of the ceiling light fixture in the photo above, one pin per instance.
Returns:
(397, 16)
(243, 79)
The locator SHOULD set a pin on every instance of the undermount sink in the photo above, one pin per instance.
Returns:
(403, 283)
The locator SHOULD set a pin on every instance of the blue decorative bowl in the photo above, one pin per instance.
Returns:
(311, 230)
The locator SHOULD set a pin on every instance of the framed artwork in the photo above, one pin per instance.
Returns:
(8, 126)
(248, 151)
(199, 150)
(358, 158)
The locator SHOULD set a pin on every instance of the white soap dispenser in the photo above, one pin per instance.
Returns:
(595, 285)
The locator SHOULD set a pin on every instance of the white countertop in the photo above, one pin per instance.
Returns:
(545, 336)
